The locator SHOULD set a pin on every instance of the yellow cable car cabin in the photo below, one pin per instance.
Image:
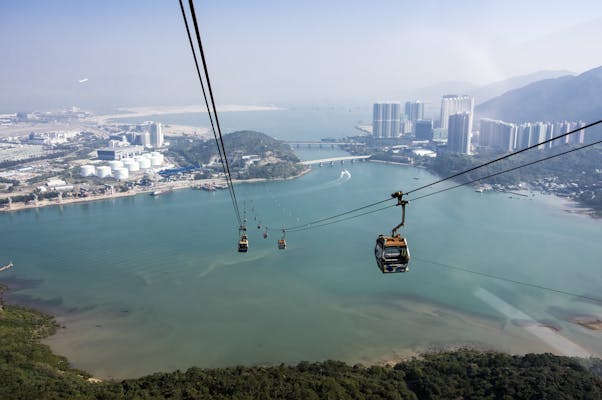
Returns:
(392, 254)
(243, 243)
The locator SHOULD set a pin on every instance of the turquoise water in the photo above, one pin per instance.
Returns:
(145, 283)
(300, 123)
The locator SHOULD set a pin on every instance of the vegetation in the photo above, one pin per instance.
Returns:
(575, 175)
(277, 158)
(28, 370)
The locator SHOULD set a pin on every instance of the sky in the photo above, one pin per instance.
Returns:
(260, 52)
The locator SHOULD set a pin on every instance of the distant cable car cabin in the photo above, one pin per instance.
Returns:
(243, 243)
(392, 252)
(282, 242)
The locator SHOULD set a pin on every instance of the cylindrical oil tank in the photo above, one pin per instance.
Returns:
(122, 173)
(157, 160)
(114, 164)
(131, 165)
(144, 163)
(87, 170)
(103, 171)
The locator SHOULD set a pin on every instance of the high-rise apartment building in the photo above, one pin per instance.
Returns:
(386, 120)
(523, 136)
(454, 104)
(414, 110)
(497, 135)
(539, 133)
(423, 129)
(459, 133)
(577, 137)
(156, 134)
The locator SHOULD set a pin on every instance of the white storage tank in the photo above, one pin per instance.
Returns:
(114, 164)
(87, 170)
(131, 165)
(103, 171)
(157, 160)
(144, 163)
(122, 173)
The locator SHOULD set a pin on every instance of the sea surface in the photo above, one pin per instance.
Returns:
(144, 284)
(296, 123)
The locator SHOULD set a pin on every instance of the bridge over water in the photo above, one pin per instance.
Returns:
(332, 160)
(309, 143)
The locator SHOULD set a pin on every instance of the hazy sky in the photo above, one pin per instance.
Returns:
(136, 52)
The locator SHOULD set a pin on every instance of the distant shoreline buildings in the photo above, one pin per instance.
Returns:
(504, 136)
(386, 120)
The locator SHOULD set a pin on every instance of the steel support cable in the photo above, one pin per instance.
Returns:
(308, 226)
(299, 229)
(505, 171)
(217, 141)
(219, 130)
(504, 157)
(312, 223)
(501, 278)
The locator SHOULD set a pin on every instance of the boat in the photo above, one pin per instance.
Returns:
(7, 266)
(159, 192)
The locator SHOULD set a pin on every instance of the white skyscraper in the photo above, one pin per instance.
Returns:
(454, 104)
(386, 120)
(459, 133)
(414, 110)
(156, 134)
(497, 135)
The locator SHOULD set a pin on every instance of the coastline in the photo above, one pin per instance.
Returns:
(137, 112)
(15, 207)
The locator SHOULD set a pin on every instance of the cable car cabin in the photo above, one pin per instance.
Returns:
(281, 244)
(243, 244)
(392, 254)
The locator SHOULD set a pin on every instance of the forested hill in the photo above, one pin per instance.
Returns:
(252, 142)
(28, 370)
(570, 98)
(276, 159)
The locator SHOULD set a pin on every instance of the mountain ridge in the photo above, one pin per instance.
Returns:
(564, 98)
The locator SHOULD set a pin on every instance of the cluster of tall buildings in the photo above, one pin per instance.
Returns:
(457, 113)
(504, 136)
(388, 121)
(456, 117)
(149, 134)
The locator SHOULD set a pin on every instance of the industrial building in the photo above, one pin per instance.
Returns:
(119, 153)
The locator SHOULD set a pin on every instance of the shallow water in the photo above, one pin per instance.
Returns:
(155, 283)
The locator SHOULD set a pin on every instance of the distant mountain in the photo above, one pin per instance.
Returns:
(432, 94)
(487, 92)
(565, 98)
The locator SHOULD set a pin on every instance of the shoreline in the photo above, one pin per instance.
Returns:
(16, 207)
(138, 112)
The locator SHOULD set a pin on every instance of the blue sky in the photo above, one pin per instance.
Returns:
(281, 52)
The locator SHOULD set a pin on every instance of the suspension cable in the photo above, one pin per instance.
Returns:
(216, 132)
(504, 157)
(315, 225)
(506, 170)
(318, 222)
(501, 278)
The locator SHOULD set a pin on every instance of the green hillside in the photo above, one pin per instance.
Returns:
(28, 370)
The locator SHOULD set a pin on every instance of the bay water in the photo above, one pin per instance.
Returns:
(144, 284)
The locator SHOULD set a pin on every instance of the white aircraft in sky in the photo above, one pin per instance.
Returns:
(83, 80)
